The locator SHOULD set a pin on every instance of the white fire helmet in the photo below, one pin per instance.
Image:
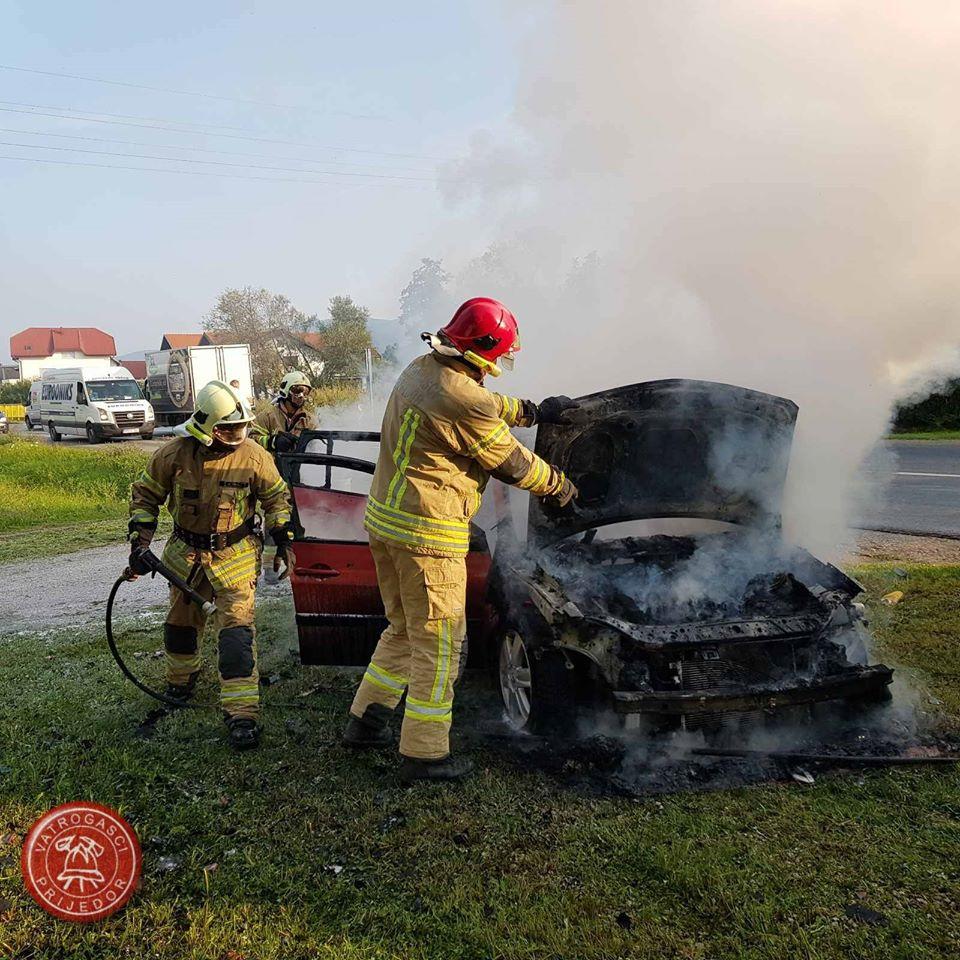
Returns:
(293, 379)
(220, 414)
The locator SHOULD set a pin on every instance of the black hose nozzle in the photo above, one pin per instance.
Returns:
(150, 560)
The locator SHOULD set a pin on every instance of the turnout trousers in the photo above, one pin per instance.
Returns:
(236, 640)
(424, 598)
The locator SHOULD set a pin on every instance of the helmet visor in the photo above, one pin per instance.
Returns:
(230, 434)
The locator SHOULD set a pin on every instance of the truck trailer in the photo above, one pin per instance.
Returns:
(175, 376)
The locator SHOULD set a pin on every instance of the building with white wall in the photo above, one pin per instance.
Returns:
(37, 348)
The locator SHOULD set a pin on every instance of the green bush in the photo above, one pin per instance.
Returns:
(16, 392)
(47, 485)
(939, 411)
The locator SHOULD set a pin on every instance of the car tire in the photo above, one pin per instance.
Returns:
(537, 687)
(146, 436)
(92, 435)
(54, 436)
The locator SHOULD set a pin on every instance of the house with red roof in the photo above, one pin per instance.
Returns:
(37, 348)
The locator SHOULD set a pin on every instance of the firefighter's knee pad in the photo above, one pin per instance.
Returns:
(236, 652)
(177, 639)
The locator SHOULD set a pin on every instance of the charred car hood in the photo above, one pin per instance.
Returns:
(669, 448)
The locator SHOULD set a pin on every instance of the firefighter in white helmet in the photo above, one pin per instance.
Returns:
(278, 428)
(211, 482)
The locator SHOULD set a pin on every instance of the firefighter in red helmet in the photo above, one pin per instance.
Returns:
(443, 435)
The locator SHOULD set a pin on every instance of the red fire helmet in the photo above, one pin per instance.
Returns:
(483, 329)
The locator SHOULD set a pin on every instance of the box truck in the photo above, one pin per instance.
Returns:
(175, 376)
(96, 402)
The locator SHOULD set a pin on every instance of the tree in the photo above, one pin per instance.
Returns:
(15, 392)
(269, 323)
(425, 301)
(346, 338)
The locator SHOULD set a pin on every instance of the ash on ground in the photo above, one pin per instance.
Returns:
(611, 762)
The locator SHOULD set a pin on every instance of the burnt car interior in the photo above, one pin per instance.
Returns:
(719, 628)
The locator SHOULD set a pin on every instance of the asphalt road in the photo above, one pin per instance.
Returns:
(922, 489)
(41, 436)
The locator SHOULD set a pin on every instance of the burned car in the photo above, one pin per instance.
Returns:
(713, 628)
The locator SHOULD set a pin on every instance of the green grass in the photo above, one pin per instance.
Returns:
(926, 435)
(55, 499)
(511, 864)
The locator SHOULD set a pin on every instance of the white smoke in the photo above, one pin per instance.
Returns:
(759, 193)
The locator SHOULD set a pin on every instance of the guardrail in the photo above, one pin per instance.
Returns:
(14, 411)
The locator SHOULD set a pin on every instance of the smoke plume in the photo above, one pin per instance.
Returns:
(759, 193)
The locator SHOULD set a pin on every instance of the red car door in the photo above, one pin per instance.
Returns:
(338, 607)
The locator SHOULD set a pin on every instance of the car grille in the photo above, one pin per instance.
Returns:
(132, 418)
(706, 674)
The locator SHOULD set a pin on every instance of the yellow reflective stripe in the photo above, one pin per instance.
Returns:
(142, 516)
(398, 451)
(442, 671)
(398, 485)
(452, 528)
(452, 548)
(274, 490)
(367, 678)
(240, 693)
(536, 475)
(182, 659)
(460, 539)
(381, 678)
(511, 410)
(489, 440)
(152, 485)
(430, 712)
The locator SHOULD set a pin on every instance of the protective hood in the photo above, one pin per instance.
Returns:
(669, 448)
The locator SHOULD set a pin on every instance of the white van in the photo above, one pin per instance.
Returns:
(96, 402)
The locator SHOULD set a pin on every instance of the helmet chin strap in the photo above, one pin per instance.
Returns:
(475, 360)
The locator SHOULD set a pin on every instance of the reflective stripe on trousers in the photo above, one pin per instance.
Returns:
(424, 600)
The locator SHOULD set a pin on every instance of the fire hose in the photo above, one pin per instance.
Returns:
(155, 566)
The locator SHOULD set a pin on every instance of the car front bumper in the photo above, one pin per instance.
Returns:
(112, 430)
(864, 682)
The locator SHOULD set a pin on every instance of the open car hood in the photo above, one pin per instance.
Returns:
(669, 448)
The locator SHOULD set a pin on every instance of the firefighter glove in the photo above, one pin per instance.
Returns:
(562, 500)
(138, 547)
(283, 538)
(282, 442)
(556, 410)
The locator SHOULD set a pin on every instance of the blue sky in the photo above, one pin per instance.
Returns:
(140, 252)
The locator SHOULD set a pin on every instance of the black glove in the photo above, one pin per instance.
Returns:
(283, 538)
(562, 500)
(139, 536)
(282, 442)
(555, 410)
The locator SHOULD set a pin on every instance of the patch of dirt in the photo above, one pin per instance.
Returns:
(872, 546)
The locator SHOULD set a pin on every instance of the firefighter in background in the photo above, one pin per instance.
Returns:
(443, 435)
(278, 428)
(211, 482)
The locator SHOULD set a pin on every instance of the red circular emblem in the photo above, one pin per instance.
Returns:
(81, 862)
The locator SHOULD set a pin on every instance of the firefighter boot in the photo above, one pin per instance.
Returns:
(446, 768)
(181, 692)
(371, 731)
(244, 733)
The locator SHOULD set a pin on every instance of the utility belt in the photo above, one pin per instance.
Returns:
(216, 541)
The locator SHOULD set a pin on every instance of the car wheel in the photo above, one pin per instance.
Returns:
(538, 688)
(92, 435)
(54, 436)
(146, 436)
